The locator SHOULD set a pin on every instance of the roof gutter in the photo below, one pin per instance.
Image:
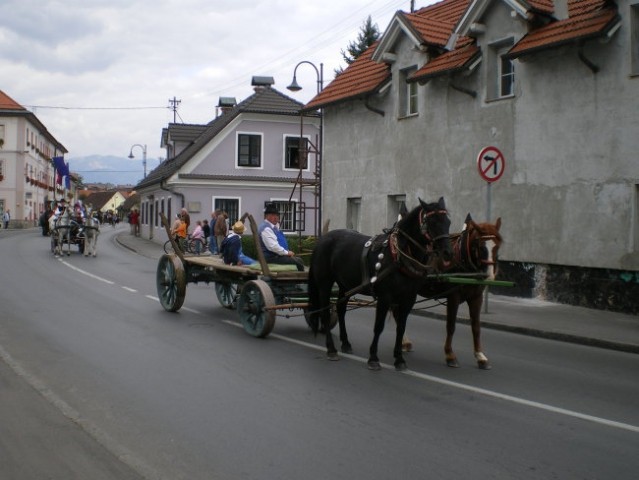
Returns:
(178, 194)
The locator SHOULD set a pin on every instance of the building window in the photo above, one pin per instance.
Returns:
(635, 236)
(407, 93)
(249, 150)
(1, 167)
(634, 39)
(353, 213)
(288, 215)
(229, 205)
(506, 77)
(296, 153)
(396, 205)
(501, 71)
(1, 135)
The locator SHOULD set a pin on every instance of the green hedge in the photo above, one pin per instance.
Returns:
(307, 245)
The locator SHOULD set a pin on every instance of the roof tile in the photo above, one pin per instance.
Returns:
(362, 77)
(448, 62)
(582, 26)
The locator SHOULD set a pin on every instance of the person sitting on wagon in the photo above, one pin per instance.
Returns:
(273, 251)
(231, 247)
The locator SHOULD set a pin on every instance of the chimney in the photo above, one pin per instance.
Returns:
(226, 104)
(260, 83)
(561, 9)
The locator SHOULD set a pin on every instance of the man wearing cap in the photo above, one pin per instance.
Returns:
(273, 251)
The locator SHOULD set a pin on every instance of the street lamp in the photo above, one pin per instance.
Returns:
(143, 147)
(296, 87)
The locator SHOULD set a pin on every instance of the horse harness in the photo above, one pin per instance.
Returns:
(467, 248)
(402, 259)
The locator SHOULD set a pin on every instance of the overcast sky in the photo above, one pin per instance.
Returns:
(99, 73)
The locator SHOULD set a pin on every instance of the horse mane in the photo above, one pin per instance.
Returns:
(409, 222)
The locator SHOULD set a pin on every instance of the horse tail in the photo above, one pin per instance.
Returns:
(313, 299)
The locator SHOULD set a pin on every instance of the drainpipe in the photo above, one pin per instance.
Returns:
(178, 194)
(580, 53)
(373, 109)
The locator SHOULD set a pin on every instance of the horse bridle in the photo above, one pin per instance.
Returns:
(423, 221)
(466, 242)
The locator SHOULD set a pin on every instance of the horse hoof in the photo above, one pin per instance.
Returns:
(401, 366)
(484, 365)
(452, 362)
(407, 347)
(332, 356)
(375, 366)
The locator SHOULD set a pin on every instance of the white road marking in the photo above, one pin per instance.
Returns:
(421, 376)
(128, 289)
(468, 388)
(83, 272)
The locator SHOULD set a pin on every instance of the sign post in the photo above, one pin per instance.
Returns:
(491, 165)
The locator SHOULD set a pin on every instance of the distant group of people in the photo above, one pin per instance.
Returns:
(226, 241)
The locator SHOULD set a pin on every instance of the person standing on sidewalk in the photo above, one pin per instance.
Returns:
(198, 237)
(6, 217)
(213, 247)
(220, 229)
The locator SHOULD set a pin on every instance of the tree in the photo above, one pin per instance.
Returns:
(368, 34)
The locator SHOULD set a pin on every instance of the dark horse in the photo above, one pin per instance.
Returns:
(390, 267)
(475, 251)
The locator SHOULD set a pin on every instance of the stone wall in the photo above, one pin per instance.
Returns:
(604, 289)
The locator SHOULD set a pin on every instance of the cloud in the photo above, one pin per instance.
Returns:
(95, 68)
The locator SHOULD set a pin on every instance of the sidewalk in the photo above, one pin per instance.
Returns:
(527, 316)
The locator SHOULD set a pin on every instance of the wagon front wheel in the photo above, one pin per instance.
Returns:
(170, 281)
(226, 294)
(253, 305)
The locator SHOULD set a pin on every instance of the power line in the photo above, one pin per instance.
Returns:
(92, 108)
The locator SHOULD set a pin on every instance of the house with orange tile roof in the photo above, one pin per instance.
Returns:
(254, 152)
(27, 174)
(552, 86)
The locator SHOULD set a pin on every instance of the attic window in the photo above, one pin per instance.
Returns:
(249, 150)
(634, 39)
(500, 70)
(407, 93)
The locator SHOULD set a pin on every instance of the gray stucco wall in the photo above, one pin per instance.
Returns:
(570, 138)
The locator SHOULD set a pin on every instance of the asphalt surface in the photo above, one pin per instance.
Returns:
(26, 407)
(529, 316)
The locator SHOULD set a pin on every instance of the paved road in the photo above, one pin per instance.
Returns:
(190, 395)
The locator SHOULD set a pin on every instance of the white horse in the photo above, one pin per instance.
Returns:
(91, 232)
(60, 228)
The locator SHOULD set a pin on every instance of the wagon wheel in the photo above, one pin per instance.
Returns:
(170, 281)
(333, 320)
(254, 298)
(226, 294)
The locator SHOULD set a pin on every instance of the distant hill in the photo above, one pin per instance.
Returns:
(109, 169)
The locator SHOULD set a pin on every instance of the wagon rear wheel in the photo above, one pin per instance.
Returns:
(253, 306)
(170, 281)
(226, 294)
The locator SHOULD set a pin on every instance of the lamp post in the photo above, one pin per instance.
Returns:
(143, 147)
(296, 87)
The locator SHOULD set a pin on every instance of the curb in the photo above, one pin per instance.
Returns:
(546, 334)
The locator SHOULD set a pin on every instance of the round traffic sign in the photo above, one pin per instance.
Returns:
(491, 164)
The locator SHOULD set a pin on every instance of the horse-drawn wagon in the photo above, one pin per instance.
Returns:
(393, 268)
(67, 229)
(257, 291)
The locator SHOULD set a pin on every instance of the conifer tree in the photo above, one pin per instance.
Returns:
(368, 34)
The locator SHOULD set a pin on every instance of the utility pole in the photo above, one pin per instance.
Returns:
(174, 102)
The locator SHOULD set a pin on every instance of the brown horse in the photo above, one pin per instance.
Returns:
(475, 251)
